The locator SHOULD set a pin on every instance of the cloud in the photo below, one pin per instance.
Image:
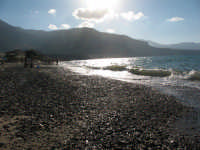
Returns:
(62, 26)
(175, 19)
(86, 24)
(130, 15)
(52, 27)
(65, 26)
(110, 30)
(101, 15)
(97, 15)
(52, 12)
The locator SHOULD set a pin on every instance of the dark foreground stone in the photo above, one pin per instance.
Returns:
(49, 108)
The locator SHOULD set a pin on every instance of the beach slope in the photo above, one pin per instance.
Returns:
(52, 108)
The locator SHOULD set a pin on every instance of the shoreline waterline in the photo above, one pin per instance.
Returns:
(184, 85)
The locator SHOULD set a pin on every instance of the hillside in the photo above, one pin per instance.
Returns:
(78, 43)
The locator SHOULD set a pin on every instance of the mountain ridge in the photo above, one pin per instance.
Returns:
(77, 42)
(182, 45)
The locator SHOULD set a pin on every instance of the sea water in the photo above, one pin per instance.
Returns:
(183, 83)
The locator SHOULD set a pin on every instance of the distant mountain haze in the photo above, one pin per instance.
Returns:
(78, 42)
(182, 46)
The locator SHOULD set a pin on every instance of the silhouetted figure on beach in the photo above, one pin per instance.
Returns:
(25, 62)
(29, 59)
(31, 63)
(56, 61)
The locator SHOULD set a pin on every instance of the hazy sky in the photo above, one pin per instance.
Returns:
(164, 21)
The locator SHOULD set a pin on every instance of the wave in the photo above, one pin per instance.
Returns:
(194, 75)
(92, 67)
(137, 71)
(153, 72)
(115, 68)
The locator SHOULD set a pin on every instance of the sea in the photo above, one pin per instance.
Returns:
(183, 82)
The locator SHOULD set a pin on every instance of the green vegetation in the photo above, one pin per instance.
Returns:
(115, 68)
(153, 73)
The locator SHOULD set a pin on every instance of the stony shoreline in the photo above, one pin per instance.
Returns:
(51, 108)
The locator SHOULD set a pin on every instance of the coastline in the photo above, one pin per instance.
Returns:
(52, 108)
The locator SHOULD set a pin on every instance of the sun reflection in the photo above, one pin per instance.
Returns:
(107, 62)
(95, 67)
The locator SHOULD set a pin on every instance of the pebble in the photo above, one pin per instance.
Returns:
(91, 111)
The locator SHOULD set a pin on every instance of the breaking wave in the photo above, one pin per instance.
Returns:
(194, 75)
(191, 75)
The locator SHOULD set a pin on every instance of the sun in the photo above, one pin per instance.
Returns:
(102, 4)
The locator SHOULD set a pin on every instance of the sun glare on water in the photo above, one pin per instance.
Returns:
(102, 4)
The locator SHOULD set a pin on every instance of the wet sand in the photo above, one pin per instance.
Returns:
(52, 108)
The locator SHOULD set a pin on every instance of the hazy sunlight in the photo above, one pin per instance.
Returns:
(102, 4)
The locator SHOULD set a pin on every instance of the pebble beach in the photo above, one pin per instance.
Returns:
(50, 108)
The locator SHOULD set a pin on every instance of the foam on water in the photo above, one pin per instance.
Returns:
(182, 82)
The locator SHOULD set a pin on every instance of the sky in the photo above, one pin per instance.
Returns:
(162, 21)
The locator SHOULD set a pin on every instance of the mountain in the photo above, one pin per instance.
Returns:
(77, 43)
(183, 46)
